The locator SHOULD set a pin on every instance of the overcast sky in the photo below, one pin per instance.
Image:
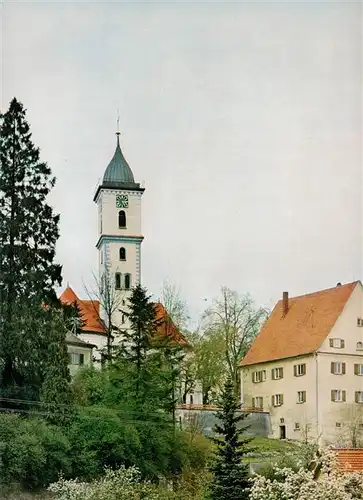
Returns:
(244, 120)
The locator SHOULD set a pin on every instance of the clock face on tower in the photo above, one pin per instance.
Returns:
(122, 201)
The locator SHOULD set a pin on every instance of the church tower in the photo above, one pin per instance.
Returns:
(119, 226)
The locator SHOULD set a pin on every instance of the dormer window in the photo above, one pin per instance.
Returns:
(122, 219)
(359, 346)
(122, 253)
(337, 343)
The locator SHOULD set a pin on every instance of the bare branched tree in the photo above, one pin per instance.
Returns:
(175, 305)
(238, 319)
(352, 425)
(111, 301)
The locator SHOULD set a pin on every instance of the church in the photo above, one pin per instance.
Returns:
(118, 198)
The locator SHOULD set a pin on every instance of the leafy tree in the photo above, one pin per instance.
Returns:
(230, 479)
(28, 235)
(238, 320)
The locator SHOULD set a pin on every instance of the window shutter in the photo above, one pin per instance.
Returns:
(332, 367)
(282, 399)
(356, 369)
(331, 343)
(343, 368)
(304, 396)
(253, 403)
(81, 359)
(295, 370)
(253, 376)
(356, 396)
(273, 400)
(304, 369)
(332, 393)
(344, 394)
(282, 373)
(342, 343)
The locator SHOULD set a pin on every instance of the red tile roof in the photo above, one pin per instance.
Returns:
(350, 459)
(90, 310)
(303, 329)
(167, 328)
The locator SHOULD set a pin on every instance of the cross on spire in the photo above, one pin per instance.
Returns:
(118, 123)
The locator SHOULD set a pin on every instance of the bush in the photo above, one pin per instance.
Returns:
(32, 452)
(121, 484)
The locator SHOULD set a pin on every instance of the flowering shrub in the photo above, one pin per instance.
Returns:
(120, 484)
(331, 484)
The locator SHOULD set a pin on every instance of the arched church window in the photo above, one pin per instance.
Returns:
(122, 218)
(122, 253)
(117, 281)
(127, 281)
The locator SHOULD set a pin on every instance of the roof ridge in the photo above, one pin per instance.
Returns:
(324, 290)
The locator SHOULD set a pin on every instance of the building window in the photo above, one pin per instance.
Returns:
(122, 253)
(337, 343)
(297, 426)
(359, 397)
(301, 397)
(337, 368)
(76, 358)
(338, 424)
(300, 370)
(277, 373)
(359, 321)
(338, 396)
(259, 376)
(277, 400)
(122, 218)
(257, 403)
(359, 346)
(117, 281)
(123, 319)
(358, 369)
(127, 281)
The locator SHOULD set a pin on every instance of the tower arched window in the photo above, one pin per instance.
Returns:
(122, 218)
(122, 253)
(127, 281)
(117, 281)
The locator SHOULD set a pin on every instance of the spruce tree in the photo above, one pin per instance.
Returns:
(230, 481)
(28, 235)
(139, 339)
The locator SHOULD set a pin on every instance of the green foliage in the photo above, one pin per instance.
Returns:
(32, 453)
(231, 476)
(28, 273)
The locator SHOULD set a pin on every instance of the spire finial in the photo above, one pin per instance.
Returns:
(118, 123)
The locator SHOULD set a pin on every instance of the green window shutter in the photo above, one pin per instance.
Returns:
(81, 359)
(356, 396)
(356, 369)
(272, 401)
(332, 395)
(344, 394)
(331, 343)
(304, 369)
(332, 367)
(282, 399)
(295, 370)
(282, 373)
(342, 343)
(343, 368)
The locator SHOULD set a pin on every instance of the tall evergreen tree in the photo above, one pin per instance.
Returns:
(139, 339)
(28, 235)
(230, 480)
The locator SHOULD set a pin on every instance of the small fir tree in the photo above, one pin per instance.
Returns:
(231, 481)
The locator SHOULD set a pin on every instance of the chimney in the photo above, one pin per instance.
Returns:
(339, 284)
(285, 303)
